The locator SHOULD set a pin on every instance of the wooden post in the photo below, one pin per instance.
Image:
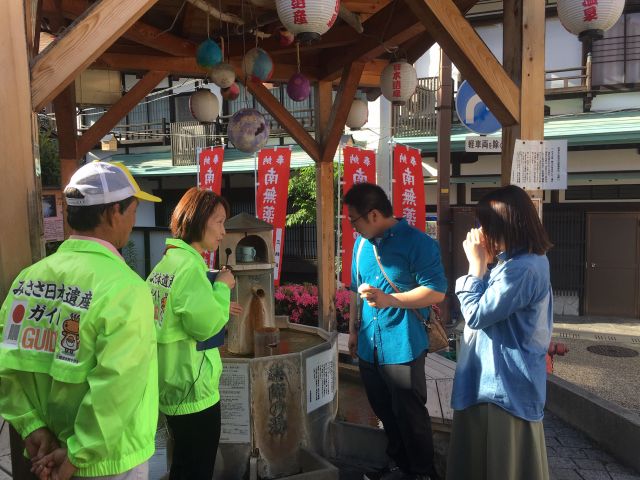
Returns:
(445, 94)
(325, 221)
(20, 203)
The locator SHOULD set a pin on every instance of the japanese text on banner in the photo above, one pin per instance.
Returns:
(408, 186)
(210, 178)
(272, 193)
(359, 167)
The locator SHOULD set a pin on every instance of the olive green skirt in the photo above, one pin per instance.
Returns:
(488, 443)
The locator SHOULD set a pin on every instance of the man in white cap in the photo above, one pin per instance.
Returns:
(78, 368)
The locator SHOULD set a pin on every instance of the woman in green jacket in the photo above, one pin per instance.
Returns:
(189, 309)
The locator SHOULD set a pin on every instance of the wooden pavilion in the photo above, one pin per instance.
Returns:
(157, 38)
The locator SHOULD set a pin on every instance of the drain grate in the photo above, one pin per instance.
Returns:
(612, 351)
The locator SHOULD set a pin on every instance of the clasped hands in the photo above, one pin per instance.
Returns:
(48, 460)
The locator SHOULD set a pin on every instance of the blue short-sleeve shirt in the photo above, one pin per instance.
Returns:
(410, 259)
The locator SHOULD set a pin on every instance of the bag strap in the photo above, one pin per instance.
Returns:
(395, 288)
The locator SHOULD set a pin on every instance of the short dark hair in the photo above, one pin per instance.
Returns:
(364, 197)
(190, 216)
(85, 218)
(508, 215)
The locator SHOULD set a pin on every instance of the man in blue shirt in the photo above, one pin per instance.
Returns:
(391, 341)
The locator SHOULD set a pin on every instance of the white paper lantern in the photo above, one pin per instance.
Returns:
(589, 19)
(358, 114)
(398, 82)
(223, 75)
(308, 19)
(204, 105)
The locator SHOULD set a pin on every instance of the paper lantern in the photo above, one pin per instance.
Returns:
(204, 105)
(223, 75)
(358, 114)
(248, 130)
(589, 19)
(208, 54)
(283, 36)
(258, 64)
(398, 82)
(308, 19)
(231, 93)
(298, 87)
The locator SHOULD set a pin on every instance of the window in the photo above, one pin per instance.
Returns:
(616, 58)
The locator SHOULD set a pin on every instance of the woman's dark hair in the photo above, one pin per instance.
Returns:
(190, 216)
(364, 197)
(83, 219)
(508, 215)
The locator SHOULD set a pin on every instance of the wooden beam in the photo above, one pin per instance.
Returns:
(325, 215)
(340, 111)
(532, 76)
(380, 34)
(81, 44)
(33, 19)
(282, 115)
(118, 110)
(472, 57)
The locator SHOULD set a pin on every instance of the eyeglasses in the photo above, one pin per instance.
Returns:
(354, 220)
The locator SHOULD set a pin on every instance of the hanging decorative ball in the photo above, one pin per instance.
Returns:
(398, 82)
(258, 64)
(358, 114)
(248, 130)
(298, 87)
(204, 105)
(589, 19)
(208, 54)
(308, 19)
(283, 36)
(223, 75)
(231, 93)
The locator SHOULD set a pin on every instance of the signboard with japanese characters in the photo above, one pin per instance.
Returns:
(359, 167)
(210, 178)
(321, 378)
(408, 186)
(483, 144)
(271, 196)
(540, 164)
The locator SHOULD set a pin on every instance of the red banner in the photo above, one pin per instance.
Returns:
(271, 196)
(408, 186)
(359, 167)
(210, 178)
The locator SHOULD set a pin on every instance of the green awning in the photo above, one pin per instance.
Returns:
(580, 130)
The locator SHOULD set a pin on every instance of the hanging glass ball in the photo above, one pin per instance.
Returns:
(208, 54)
(248, 130)
(298, 87)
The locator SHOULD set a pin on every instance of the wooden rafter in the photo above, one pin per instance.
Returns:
(282, 115)
(81, 44)
(118, 110)
(33, 19)
(341, 106)
(444, 21)
(396, 29)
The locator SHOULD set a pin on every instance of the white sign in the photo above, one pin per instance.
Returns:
(483, 144)
(539, 164)
(322, 378)
(234, 403)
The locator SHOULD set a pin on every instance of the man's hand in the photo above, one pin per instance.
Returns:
(353, 344)
(376, 298)
(54, 466)
(39, 443)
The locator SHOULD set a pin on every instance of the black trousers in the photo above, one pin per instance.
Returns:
(398, 394)
(195, 437)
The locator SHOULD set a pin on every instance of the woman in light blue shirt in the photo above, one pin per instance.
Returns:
(500, 384)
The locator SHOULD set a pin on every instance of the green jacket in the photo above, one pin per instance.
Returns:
(78, 355)
(187, 309)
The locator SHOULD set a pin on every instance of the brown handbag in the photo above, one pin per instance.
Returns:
(438, 339)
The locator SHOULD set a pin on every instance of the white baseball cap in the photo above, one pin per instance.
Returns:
(105, 182)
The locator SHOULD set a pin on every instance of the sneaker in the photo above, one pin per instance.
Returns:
(387, 473)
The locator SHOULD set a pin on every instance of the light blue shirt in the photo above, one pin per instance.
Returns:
(509, 319)
(410, 259)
